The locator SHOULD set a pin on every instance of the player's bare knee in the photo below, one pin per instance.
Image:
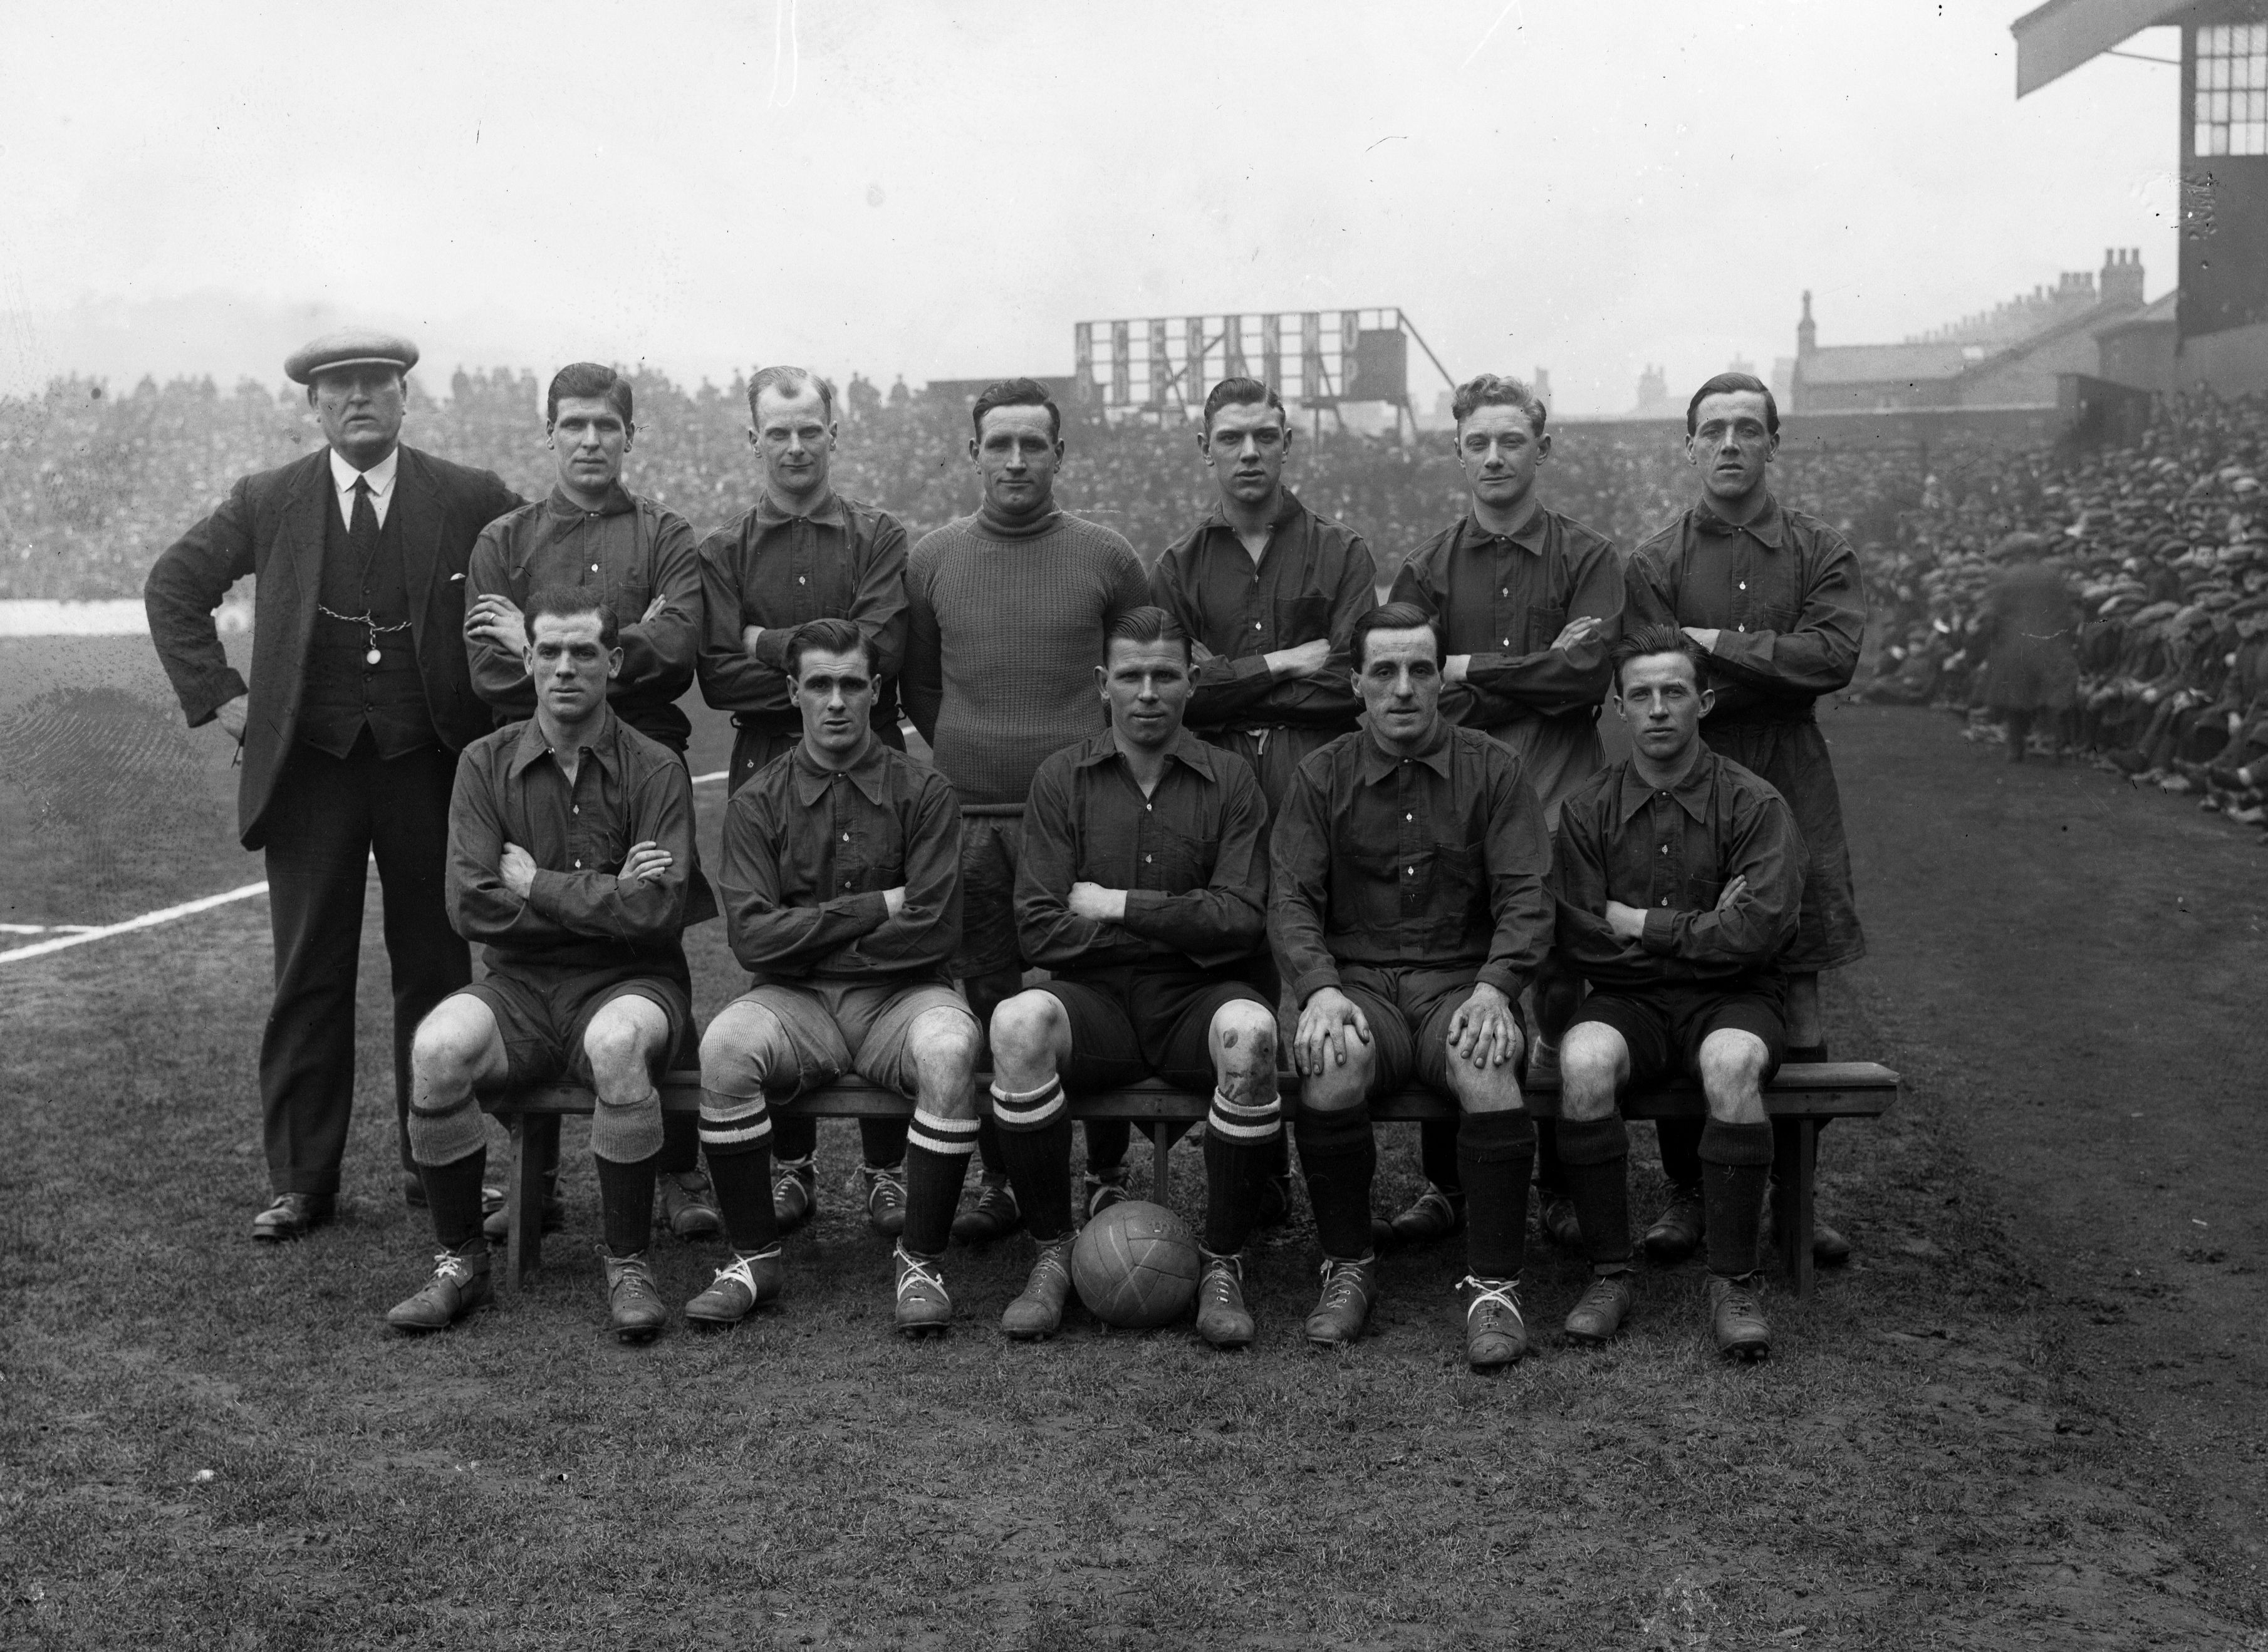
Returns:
(1244, 1041)
(1732, 1064)
(739, 1048)
(1591, 1067)
(1489, 1089)
(1337, 1087)
(1024, 1031)
(448, 1044)
(944, 1045)
(619, 1048)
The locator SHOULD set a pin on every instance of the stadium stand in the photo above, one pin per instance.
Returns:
(2163, 546)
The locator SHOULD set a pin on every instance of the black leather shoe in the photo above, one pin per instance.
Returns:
(496, 1221)
(1676, 1233)
(994, 1216)
(1561, 1226)
(413, 1190)
(460, 1284)
(292, 1216)
(1433, 1215)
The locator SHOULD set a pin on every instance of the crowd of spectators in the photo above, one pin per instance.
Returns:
(93, 484)
(2163, 551)
(2164, 543)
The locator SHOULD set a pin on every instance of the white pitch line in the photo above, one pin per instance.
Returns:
(703, 780)
(148, 920)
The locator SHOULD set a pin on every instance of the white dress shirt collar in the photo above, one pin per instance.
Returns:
(380, 477)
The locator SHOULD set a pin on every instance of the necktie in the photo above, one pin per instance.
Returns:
(362, 528)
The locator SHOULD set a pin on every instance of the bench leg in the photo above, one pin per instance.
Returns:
(1161, 1144)
(1793, 1205)
(523, 1195)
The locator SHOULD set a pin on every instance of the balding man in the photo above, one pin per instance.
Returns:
(359, 700)
(803, 552)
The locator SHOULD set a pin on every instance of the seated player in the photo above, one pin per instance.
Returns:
(842, 882)
(570, 845)
(1678, 875)
(1408, 912)
(1144, 890)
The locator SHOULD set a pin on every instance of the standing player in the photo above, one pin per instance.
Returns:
(1408, 912)
(629, 552)
(803, 552)
(571, 850)
(1270, 591)
(1529, 602)
(1010, 610)
(1773, 597)
(841, 881)
(1144, 890)
(1677, 876)
(359, 697)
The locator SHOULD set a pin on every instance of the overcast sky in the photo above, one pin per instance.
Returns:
(942, 189)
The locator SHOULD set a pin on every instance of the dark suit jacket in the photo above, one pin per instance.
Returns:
(271, 526)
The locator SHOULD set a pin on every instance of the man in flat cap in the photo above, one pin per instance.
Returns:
(359, 700)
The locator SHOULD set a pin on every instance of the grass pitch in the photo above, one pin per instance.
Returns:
(211, 1443)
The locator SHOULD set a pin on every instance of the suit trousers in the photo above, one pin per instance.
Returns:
(329, 817)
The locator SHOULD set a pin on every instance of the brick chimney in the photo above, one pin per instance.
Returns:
(1806, 330)
(2121, 278)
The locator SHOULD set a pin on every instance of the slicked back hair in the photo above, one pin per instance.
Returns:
(835, 636)
(1241, 393)
(1146, 626)
(587, 378)
(1016, 392)
(1393, 616)
(569, 601)
(1496, 389)
(791, 381)
(1658, 639)
(1728, 384)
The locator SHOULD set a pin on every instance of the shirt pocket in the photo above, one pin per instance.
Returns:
(1301, 619)
(1183, 862)
(1545, 622)
(629, 595)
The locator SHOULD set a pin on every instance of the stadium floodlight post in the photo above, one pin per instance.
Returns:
(1402, 319)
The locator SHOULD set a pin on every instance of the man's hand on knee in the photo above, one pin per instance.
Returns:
(1484, 1031)
(1332, 1029)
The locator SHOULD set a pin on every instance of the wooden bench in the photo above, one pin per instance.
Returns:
(1801, 1096)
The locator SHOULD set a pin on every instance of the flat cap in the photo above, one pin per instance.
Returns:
(356, 347)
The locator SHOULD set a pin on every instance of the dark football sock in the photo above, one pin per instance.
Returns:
(453, 1196)
(1437, 1156)
(1107, 1142)
(626, 1204)
(1338, 1156)
(1594, 1157)
(794, 1136)
(1680, 1141)
(742, 1183)
(1233, 1172)
(1549, 1178)
(882, 1142)
(937, 1154)
(988, 1150)
(1496, 1156)
(1036, 1146)
(1278, 1152)
(1736, 1162)
(680, 1144)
